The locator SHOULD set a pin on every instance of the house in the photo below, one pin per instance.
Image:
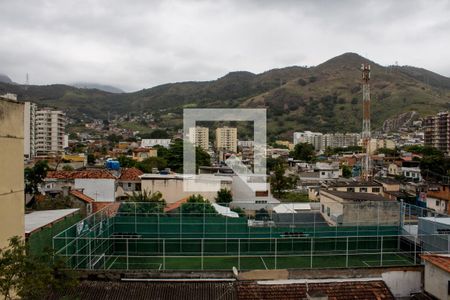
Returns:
(149, 143)
(438, 197)
(355, 186)
(172, 186)
(129, 182)
(139, 154)
(98, 184)
(394, 169)
(411, 173)
(352, 208)
(437, 275)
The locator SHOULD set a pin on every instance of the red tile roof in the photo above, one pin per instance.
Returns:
(86, 174)
(440, 261)
(81, 196)
(175, 205)
(130, 174)
(363, 290)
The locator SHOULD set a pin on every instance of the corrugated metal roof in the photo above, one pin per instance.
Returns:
(42, 218)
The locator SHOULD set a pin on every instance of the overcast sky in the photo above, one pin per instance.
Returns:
(140, 44)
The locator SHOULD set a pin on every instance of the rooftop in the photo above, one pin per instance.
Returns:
(81, 196)
(42, 218)
(440, 261)
(130, 174)
(85, 174)
(353, 196)
(353, 184)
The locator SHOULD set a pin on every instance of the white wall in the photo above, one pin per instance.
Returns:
(101, 190)
(403, 283)
(436, 281)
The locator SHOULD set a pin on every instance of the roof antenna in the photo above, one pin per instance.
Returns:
(27, 79)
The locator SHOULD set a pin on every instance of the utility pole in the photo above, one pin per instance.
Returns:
(366, 165)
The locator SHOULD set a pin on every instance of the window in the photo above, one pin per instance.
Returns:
(375, 190)
(328, 211)
(262, 193)
(437, 203)
(363, 190)
(323, 173)
(129, 184)
(350, 189)
(323, 208)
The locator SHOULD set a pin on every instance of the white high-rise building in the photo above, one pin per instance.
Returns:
(199, 136)
(313, 138)
(226, 139)
(49, 131)
(29, 130)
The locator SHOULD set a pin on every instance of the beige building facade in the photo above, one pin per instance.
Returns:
(50, 125)
(199, 136)
(11, 176)
(226, 139)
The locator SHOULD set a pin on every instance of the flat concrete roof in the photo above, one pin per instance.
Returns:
(444, 220)
(42, 218)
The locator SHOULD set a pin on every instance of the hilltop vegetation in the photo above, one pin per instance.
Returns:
(325, 98)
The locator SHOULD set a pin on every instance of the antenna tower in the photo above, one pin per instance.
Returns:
(366, 165)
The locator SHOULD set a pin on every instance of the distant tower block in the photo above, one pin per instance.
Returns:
(366, 165)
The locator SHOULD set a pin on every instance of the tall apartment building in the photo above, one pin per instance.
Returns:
(341, 140)
(313, 138)
(11, 175)
(226, 139)
(49, 131)
(437, 131)
(29, 130)
(199, 136)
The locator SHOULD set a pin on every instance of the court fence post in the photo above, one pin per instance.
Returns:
(164, 254)
(415, 249)
(381, 254)
(346, 253)
(202, 241)
(311, 254)
(275, 253)
(127, 253)
(239, 254)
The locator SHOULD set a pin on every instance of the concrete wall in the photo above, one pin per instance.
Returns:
(403, 283)
(101, 190)
(172, 189)
(371, 213)
(11, 175)
(436, 281)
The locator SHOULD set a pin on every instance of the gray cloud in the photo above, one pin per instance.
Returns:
(139, 44)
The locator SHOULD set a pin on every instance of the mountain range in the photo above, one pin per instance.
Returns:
(326, 97)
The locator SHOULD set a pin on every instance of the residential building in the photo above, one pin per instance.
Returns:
(49, 131)
(11, 175)
(140, 154)
(172, 188)
(376, 144)
(353, 209)
(149, 143)
(370, 187)
(199, 136)
(438, 197)
(226, 139)
(129, 182)
(339, 140)
(313, 138)
(437, 275)
(29, 130)
(437, 131)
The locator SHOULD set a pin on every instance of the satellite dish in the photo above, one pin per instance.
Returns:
(235, 271)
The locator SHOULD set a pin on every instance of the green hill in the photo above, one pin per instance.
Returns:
(325, 98)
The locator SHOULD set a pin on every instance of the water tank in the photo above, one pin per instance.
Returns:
(112, 165)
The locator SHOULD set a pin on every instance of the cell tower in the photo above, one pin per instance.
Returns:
(366, 166)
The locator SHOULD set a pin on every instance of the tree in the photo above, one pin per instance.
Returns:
(67, 168)
(126, 162)
(34, 176)
(144, 203)
(224, 196)
(159, 134)
(148, 164)
(262, 215)
(346, 171)
(279, 183)
(196, 206)
(31, 276)
(303, 151)
(91, 159)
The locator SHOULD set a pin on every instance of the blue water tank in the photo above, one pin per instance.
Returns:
(112, 165)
